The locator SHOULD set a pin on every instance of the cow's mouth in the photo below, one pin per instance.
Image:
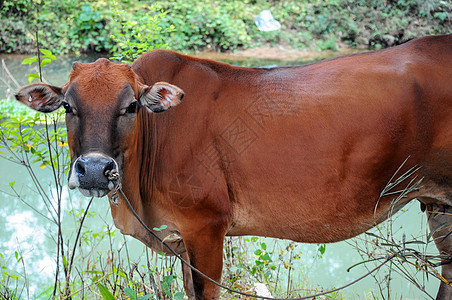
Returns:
(91, 174)
(94, 192)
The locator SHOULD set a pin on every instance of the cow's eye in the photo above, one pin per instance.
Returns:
(67, 107)
(133, 108)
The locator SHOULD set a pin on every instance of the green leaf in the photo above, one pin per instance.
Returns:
(15, 277)
(179, 296)
(169, 279)
(45, 61)
(65, 261)
(131, 293)
(48, 54)
(30, 60)
(85, 17)
(96, 16)
(121, 273)
(32, 76)
(163, 227)
(45, 51)
(266, 257)
(86, 9)
(106, 294)
(12, 183)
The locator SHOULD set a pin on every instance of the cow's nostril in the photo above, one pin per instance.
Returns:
(108, 167)
(80, 167)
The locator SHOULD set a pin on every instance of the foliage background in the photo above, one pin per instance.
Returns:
(70, 26)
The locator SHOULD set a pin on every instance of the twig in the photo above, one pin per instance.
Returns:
(39, 56)
(9, 74)
(17, 195)
(67, 292)
(27, 282)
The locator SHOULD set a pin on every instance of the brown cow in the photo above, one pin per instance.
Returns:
(298, 153)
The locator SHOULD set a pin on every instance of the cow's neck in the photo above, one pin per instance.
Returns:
(138, 182)
(147, 147)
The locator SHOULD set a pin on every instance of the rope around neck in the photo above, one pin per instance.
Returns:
(113, 175)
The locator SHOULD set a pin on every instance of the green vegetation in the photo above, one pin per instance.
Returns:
(70, 26)
(138, 35)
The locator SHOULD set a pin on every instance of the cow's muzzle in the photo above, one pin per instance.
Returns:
(90, 172)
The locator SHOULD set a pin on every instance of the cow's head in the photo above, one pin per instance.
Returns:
(101, 101)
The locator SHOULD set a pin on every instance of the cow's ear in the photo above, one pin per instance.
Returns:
(160, 97)
(41, 97)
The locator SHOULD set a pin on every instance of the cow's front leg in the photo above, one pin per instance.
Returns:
(440, 222)
(205, 249)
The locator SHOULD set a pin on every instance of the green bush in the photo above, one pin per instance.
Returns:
(139, 34)
(69, 26)
(213, 24)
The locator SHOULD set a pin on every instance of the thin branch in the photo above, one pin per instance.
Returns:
(67, 292)
(17, 195)
(39, 56)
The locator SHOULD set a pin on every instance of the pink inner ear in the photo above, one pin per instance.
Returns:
(36, 99)
(166, 98)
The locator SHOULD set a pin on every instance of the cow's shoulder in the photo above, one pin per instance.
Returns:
(166, 65)
(160, 55)
(426, 43)
(429, 49)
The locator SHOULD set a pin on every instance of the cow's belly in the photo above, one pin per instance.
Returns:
(323, 209)
(313, 221)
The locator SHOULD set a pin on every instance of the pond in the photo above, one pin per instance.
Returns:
(27, 231)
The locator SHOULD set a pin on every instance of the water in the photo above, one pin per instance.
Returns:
(55, 73)
(32, 235)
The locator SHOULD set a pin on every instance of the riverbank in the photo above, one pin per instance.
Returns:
(280, 52)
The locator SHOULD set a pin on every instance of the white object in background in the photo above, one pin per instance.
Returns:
(261, 290)
(265, 21)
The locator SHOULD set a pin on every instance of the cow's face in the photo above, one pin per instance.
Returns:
(101, 100)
